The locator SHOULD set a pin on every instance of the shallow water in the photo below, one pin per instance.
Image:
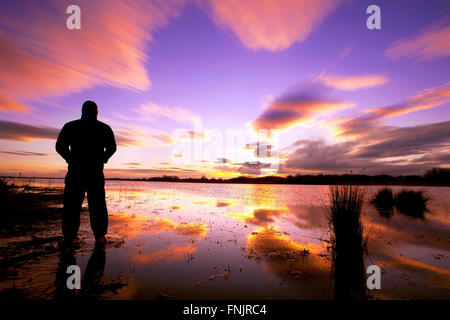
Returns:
(241, 241)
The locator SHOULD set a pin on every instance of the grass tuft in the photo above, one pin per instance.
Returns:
(347, 245)
(384, 202)
(412, 203)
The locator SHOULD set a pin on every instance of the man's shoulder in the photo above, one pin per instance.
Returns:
(79, 123)
(72, 124)
(103, 125)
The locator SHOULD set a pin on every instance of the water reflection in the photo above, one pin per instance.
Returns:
(158, 225)
(92, 284)
(410, 203)
(66, 258)
(172, 253)
(303, 266)
(245, 241)
(260, 216)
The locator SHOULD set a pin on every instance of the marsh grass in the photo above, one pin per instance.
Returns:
(384, 202)
(410, 203)
(347, 243)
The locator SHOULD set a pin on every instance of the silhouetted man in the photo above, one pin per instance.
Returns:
(86, 144)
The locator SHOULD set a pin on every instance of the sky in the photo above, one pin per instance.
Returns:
(222, 88)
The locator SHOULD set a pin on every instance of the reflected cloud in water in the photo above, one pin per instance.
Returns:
(171, 253)
(266, 237)
(259, 216)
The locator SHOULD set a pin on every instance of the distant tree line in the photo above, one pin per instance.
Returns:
(434, 176)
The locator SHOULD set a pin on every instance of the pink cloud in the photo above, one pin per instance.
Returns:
(430, 44)
(369, 122)
(270, 25)
(41, 58)
(150, 111)
(297, 106)
(351, 83)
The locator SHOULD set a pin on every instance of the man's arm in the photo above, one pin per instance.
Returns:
(62, 145)
(110, 145)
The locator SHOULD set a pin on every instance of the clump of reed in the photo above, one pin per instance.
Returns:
(384, 202)
(348, 246)
(410, 203)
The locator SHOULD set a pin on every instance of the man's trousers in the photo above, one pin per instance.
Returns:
(77, 184)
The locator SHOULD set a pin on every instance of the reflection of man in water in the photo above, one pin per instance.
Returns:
(91, 285)
(86, 144)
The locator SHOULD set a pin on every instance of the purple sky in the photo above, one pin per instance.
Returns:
(343, 97)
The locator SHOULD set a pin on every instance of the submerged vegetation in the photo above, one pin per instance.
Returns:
(410, 203)
(347, 243)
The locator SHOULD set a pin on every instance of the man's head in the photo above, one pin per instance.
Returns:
(89, 110)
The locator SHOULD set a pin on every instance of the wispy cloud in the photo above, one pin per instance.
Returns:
(395, 142)
(40, 58)
(270, 25)
(151, 111)
(373, 147)
(26, 153)
(432, 43)
(351, 83)
(133, 164)
(131, 137)
(367, 123)
(296, 107)
(10, 105)
(23, 132)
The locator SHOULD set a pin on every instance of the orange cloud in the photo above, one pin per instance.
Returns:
(351, 83)
(433, 43)
(40, 58)
(172, 253)
(8, 105)
(287, 113)
(270, 25)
